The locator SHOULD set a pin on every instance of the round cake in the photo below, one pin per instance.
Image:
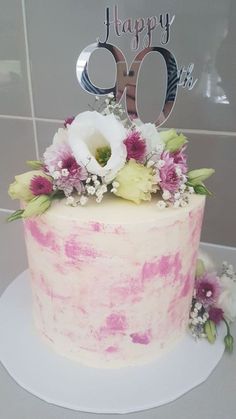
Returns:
(112, 284)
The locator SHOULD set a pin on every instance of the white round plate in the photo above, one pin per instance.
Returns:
(57, 380)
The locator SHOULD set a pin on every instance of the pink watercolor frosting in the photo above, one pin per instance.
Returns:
(112, 284)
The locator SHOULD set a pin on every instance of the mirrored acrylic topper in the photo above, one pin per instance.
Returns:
(127, 77)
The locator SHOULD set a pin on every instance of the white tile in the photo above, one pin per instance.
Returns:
(219, 153)
(45, 134)
(14, 95)
(16, 146)
(13, 259)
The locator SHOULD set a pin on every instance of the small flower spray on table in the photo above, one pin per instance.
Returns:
(214, 302)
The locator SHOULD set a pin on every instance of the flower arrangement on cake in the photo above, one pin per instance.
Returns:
(100, 152)
(213, 303)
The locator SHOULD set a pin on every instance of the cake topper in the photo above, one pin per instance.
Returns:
(126, 84)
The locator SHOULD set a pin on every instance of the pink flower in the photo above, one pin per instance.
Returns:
(170, 180)
(180, 159)
(57, 152)
(62, 166)
(40, 185)
(71, 176)
(73, 168)
(136, 147)
(207, 289)
(68, 121)
(216, 314)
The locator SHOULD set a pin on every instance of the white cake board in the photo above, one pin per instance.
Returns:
(62, 382)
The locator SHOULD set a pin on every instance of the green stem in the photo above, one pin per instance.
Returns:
(227, 326)
(15, 216)
(57, 195)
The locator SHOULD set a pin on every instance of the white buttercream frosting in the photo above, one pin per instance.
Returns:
(112, 283)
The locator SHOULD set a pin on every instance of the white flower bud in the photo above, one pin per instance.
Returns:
(83, 200)
(161, 163)
(99, 199)
(161, 204)
(178, 171)
(103, 188)
(56, 175)
(70, 200)
(65, 172)
(166, 195)
(176, 204)
(91, 190)
(115, 184)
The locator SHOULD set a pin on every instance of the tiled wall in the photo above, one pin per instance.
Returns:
(39, 44)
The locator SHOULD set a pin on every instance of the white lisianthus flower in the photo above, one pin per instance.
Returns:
(91, 131)
(227, 298)
(151, 135)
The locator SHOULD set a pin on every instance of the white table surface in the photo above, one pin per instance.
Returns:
(214, 399)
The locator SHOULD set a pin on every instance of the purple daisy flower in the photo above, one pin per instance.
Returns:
(60, 163)
(207, 289)
(170, 180)
(57, 152)
(135, 146)
(70, 176)
(40, 185)
(68, 121)
(180, 159)
(216, 314)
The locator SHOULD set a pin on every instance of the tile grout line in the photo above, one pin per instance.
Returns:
(30, 118)
(207, 132)
(6, 210)
(60, 121)
(29, 78)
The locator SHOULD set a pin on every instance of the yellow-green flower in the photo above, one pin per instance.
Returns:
(20, 189)
(173, 141)
(200, 268)
(210, 330)
(37, 206)
(196, 177)
(135, 182)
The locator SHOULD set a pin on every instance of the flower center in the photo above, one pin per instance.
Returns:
(70, 164)
(102, 155)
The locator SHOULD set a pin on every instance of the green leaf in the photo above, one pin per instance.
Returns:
(201, 190)
(15, 216)
(210, 330)
(35, 164)
(196, 177)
